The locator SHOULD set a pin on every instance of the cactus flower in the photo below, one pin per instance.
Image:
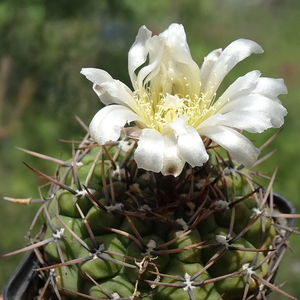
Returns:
(175, 106)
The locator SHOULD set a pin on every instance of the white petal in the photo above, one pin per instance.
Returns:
(211, 121)
(178, 47)
(149, 153)
(250, 102)
(158, 153)
(178, 60)
(232, 54)
(137, 54)
(117, 92)
(236, 52)
(251, 83)
(190, 144)
(176, 41)
(243, 85)
(254, 113)
(144, 48)
(241, 148)
(169, 61)
(256, 103)
(208, 64)
(108, 89)
(96, 76)
(154, 48)
(109, 121)
(271, 87)
(172, 162)
(251, 121)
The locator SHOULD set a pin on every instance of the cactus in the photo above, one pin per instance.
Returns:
(115, 231)
(120, 225)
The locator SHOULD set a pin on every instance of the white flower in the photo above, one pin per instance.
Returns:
(175, 106)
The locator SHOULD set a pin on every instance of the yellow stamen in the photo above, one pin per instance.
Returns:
(158, 109)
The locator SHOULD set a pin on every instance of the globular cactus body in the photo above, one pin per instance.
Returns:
(116, 231)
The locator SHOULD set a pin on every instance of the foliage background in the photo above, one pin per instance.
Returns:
(44, 44)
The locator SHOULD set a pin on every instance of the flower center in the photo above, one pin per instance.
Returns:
(159, 109)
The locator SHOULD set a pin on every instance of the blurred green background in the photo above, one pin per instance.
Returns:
(44, 44)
